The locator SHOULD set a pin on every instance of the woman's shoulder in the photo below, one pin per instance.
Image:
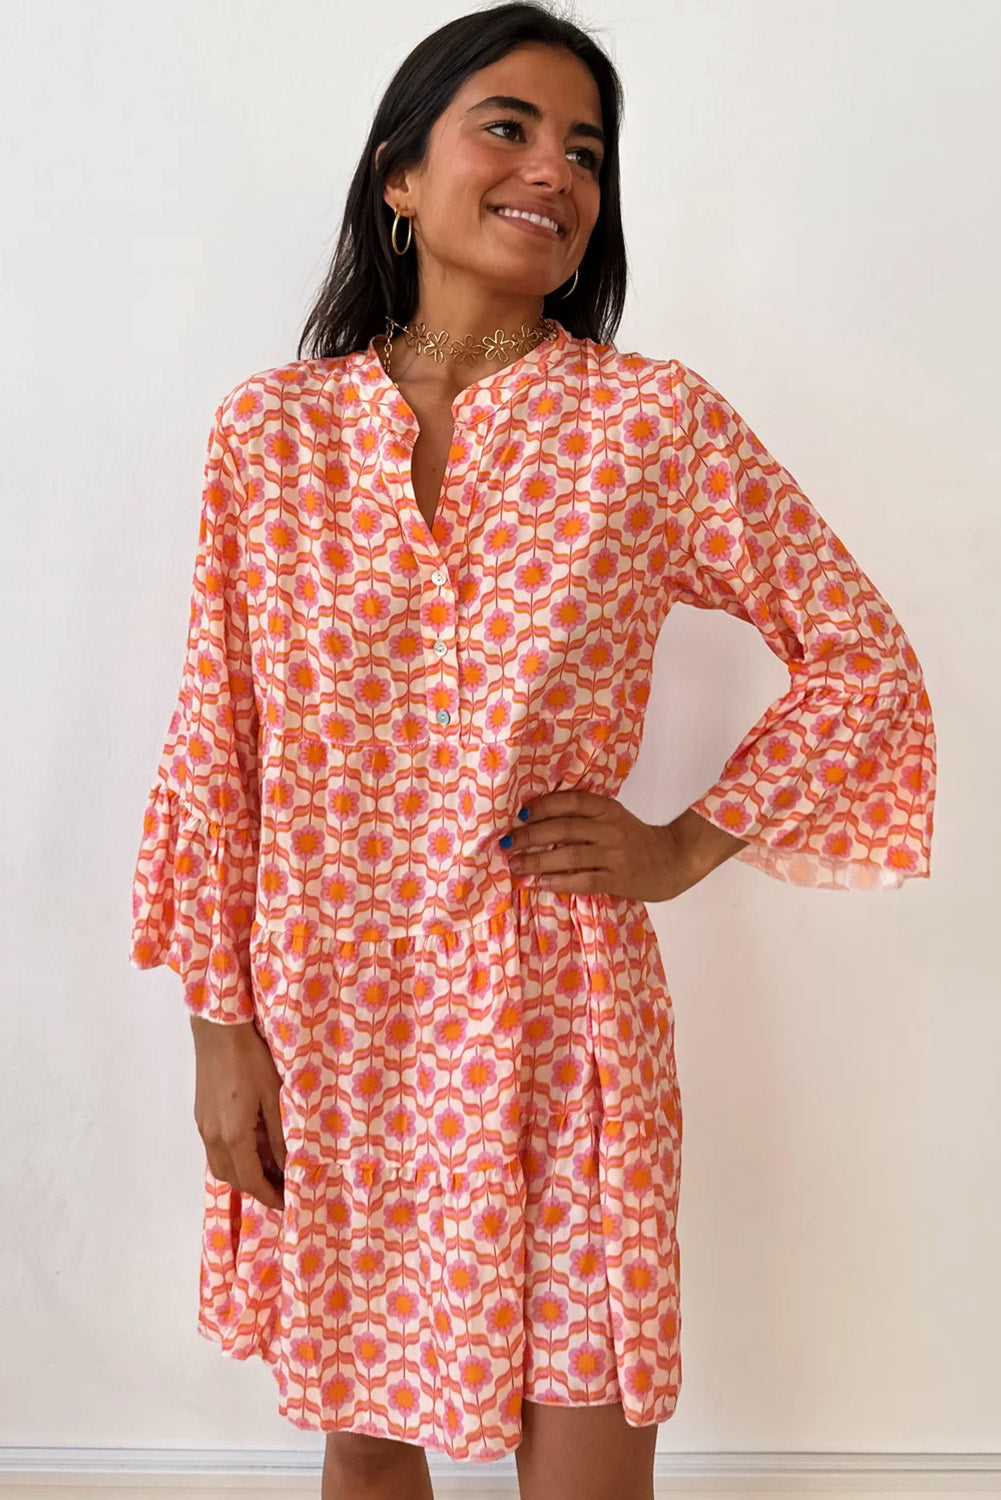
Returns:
(276, 389)
(617, 365)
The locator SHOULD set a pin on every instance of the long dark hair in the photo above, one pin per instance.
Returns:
(367, 280)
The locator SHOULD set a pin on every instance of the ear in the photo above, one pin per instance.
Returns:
(396, 184)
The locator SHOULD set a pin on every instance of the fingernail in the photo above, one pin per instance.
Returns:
(506, 841)
(524, 814)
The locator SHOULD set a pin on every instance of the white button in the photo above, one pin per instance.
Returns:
(443, 716)
(439, 648)
(438, 576)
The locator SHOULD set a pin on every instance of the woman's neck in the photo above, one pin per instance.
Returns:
(443, 381)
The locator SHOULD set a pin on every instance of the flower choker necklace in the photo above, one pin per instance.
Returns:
(496, 345)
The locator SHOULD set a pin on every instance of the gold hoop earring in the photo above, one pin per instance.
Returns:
(410, 233)
(574, 287)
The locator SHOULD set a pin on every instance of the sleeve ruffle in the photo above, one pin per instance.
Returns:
(832, 791)
(193, 904)
(834, 786)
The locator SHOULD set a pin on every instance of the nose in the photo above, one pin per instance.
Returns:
(549, 166)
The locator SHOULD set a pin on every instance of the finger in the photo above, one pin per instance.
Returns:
(269, 1166)
(573, 882)
(250, 1173)
(272, 1116)
(220, 1164)
(573, 802)
(553, 833)
(561, 858)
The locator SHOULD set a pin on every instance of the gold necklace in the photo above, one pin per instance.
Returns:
(496, 345)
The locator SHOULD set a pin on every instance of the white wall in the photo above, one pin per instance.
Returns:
(812, 213)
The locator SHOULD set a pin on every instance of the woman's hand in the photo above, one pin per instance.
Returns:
(598, 846)
(237, 1108)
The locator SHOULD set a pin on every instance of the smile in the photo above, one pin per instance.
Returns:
(533, 223)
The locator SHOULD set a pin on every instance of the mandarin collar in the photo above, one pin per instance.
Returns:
(378, 389)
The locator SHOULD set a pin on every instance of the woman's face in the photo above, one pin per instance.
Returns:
(544, 156)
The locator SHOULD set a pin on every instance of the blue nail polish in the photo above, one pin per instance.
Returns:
(506, 841)
(524, 814)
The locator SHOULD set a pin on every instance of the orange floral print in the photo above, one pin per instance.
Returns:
(480, 1100)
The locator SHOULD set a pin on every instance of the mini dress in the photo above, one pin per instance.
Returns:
(479, 1091)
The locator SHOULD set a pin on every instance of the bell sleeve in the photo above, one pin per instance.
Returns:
(193, 894)
(834, 785)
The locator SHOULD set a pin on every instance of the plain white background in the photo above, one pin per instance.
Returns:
(812, 214)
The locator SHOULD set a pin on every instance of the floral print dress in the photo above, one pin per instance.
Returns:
(479, 1094)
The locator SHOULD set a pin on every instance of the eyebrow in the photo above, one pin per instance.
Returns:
(525, 107)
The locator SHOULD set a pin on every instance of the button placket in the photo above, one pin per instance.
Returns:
(446, 686)
(442, 695)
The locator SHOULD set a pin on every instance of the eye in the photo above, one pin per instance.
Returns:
(592, 163)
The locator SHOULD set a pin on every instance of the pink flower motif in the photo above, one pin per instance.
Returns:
(312, 752)
(463, 1277)
(479, 1073)
(506, 454)
(534, 574)
(371, 606)
(299, 934)
(247, 405)
(474, 1373)
(547, 404)
(374, 995)
(368, 1260)
(305, 588)
(278, 624)
(567, 614)
(337, 1298)
(608, 476)
(306, 1351)
(410, 888)
(338, 1035)
(449, 1030)
(413, 802)
(717, 543)
(718, 481)
(639, 1378)
(365, 439)
(368, 1349)
(312, 506)
(316, 988)
(573, 443)
(490, 1225)
(366, 1084)
(310, 1262)
(371, 691)
(280, 535)
(714, 419)
(588, 1361)
(549, 1310)
(282, 446)
(537, 488)
(336, 558)
(642, 429)
(498, 627)
(588, 1262)
(404, 1397)
(449, 1126)
(337, 1391)
(308, 841)
(307, 1079)
(732, 816)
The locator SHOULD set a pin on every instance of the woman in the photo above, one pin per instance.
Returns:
(435, 1064)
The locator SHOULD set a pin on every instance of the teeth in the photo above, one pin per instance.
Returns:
(517, 213)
